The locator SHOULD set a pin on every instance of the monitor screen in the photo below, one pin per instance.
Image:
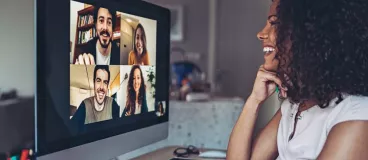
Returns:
(113, 69)
(114, 79)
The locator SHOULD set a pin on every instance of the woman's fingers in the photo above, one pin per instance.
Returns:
(264, 70)
(271, 76)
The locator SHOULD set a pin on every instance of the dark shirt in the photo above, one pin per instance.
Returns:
(143, 110)
(91, 48)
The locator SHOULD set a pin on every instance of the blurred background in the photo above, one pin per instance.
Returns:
(215, 55)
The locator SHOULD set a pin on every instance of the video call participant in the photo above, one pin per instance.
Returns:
(136, 93)
(101, 50)
(99, 107)
(160, 109)
(139, 55)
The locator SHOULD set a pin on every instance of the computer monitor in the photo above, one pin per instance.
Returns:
(102, 77)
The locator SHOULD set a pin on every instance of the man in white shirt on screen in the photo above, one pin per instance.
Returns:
(101, 50)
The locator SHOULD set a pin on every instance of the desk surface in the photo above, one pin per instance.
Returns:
(167, 152)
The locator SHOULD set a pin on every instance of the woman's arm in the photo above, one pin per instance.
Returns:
(147, 62)
(241, 136)
(264, 146)
(240, 144)
(130, 58)
(347, 140)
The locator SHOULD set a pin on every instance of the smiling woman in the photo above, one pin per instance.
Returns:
(315, 53)
(136, 102)
(140, 54)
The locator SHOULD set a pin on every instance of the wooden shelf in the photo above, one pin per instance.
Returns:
(86, 10)
(81, 45)
(86, 27)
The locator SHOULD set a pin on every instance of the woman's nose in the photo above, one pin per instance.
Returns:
(263, 34)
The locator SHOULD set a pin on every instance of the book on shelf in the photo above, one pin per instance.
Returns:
(85, 36)
(85, 20)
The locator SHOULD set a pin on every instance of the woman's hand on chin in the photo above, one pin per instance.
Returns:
(265, 85)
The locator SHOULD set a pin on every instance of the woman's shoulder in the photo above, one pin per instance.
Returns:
(353, 102)
(351, 108)
(131, 53)
(146, 54)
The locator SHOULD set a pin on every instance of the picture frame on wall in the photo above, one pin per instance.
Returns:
(177, 22)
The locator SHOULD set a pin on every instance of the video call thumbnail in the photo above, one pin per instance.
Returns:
(138, 37)
(106, 37)
(160, 108)
(137, 89)
(94, 92)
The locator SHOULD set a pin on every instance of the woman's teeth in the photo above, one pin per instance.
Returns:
(268, 49)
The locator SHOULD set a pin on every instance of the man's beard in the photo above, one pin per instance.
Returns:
(104, 45)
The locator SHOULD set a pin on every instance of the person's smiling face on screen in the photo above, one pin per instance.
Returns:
(101, 83)
(137, 80)
(104, 27)
(139, 41)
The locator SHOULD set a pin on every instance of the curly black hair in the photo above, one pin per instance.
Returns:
(131, 94)
(323, 49)
(97, 7)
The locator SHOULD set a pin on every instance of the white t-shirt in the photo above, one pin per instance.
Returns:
(138, 108)
(101, 59)
(312, 129)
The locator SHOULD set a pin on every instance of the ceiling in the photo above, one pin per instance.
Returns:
(78, 75)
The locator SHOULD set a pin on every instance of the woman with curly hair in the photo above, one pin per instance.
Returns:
(316, 53)
(136, 93)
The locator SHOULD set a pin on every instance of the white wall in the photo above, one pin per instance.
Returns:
(77, 95)
(150, 27)
(126, 41)
(122, 93)
(17, 56)
(74, 8)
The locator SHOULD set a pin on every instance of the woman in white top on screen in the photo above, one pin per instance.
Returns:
(316, 52)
